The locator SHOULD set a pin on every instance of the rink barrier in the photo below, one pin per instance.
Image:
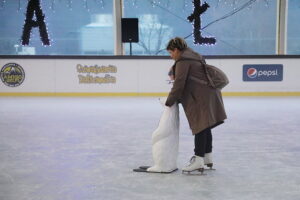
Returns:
(227, 94)
(55, 76)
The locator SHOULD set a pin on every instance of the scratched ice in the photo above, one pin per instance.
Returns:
(86, 148)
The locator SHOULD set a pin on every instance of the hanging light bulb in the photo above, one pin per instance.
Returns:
(70, 4)
(101, 2)
(134, 4)
(168, 3)
(185, 5)
(19, 5)
(266, 3)
(86, 6)
(2, 4)
(52, 5)
(153, 3)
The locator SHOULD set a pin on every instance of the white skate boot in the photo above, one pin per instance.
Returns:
(208, 161)
(196, 164)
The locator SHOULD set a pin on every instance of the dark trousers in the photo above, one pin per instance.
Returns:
(203, 142)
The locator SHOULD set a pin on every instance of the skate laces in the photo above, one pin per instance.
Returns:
(192, 160)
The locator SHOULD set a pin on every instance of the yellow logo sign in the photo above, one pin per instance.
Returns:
(87, 74)
(12, 74)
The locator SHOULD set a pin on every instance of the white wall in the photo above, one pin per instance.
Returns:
(138, 76)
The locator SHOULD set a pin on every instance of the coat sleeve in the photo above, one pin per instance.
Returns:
(181, 73)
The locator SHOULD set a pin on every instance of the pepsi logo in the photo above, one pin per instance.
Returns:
(263, 72)
(252, 73)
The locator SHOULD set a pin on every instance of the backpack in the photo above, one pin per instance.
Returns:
(216, 77)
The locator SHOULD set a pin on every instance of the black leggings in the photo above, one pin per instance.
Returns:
(203, 142)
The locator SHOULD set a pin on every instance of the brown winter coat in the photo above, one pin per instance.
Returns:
(203, 105)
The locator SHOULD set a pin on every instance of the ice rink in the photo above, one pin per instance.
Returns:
(86, 148)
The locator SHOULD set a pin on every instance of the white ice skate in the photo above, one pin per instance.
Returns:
(208, 161)
(196, 164)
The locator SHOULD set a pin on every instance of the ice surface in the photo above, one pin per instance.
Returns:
(86, 148)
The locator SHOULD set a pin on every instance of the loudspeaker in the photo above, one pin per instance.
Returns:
(130, 30)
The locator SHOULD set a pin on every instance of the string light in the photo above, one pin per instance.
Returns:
(86, 6)
(153, 3)
(134, 3)
(234, 3)
(185, 5)
(266, 3)
(168, 3)
(102, 4)
(19, 5)
(52, 5)
(2, 4)
(70, 4)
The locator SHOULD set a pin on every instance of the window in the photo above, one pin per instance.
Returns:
(85, 27)
(251, 30)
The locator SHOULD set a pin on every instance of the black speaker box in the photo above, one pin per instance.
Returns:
(130, 30)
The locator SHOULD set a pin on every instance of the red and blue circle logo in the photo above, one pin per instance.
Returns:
(252, 73)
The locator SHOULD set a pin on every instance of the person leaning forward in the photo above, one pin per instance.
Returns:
(202, 104)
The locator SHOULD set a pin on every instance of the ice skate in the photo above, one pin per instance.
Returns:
(196, 164)
(208, 161)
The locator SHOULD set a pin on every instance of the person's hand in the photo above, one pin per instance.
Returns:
(171, 74)
(172, 78)
(162, 100)
(170, 81)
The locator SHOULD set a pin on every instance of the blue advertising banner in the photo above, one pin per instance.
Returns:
(263, 72)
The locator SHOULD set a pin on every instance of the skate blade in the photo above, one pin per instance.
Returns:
(209, 169)
(196, 172)
(144, 169)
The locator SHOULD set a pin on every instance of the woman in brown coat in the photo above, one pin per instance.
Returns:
(203, 104)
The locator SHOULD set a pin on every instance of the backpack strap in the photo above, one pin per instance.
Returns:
(208, 76)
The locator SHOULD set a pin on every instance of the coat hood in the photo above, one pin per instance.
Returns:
(190, 54)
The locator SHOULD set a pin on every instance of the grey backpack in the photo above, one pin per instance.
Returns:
(216, 77)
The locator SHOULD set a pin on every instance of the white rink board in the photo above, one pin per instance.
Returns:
(138, 75)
